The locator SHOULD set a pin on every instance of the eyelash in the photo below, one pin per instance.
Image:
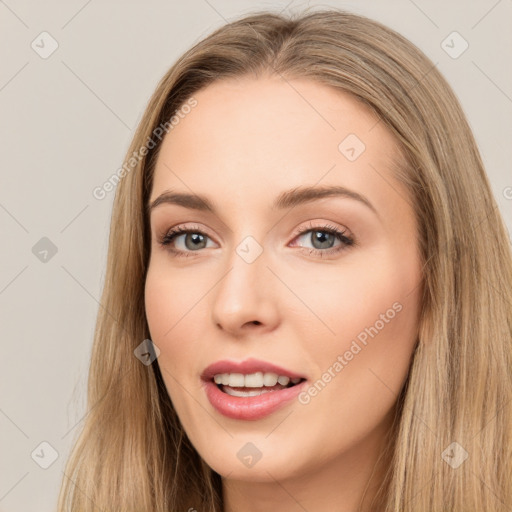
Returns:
(346, 241)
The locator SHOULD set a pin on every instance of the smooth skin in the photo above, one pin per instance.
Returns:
(247, 141)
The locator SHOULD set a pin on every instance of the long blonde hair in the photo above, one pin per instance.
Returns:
(132, 453)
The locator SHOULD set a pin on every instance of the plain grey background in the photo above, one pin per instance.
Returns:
(66, 122)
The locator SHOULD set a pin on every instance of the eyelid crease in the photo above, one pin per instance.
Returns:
(346, 241)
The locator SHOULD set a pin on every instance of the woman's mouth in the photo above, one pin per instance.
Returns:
(253, 384)
(251, 396)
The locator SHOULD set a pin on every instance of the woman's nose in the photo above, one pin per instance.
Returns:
(245, 298)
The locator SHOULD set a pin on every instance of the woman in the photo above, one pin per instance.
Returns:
(308, 297)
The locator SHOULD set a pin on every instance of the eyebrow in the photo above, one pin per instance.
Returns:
(287, 199)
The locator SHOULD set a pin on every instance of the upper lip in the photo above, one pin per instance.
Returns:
(246, 367)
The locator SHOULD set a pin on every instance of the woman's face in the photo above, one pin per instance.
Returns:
(336, 305)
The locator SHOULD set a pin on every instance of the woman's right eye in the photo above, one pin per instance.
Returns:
(181, 241)
(191, 240)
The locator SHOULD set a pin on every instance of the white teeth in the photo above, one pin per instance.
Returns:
(283, 380)
(236, 380)
(252, 392)
(253, 380)
(270, 379)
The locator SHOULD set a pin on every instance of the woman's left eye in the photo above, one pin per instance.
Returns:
(321, 238)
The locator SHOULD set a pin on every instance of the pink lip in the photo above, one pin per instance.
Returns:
(248, 366)
(251, 407)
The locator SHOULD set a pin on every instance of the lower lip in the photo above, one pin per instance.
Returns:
(250, 407)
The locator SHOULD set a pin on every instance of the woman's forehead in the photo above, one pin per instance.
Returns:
(256, 136)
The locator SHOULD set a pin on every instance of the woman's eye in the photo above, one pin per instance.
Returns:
(323, 240)
(180, 241)
(183, 242)
(320, 239)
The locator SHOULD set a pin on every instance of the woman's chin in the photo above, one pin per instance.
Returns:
(245, 461)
